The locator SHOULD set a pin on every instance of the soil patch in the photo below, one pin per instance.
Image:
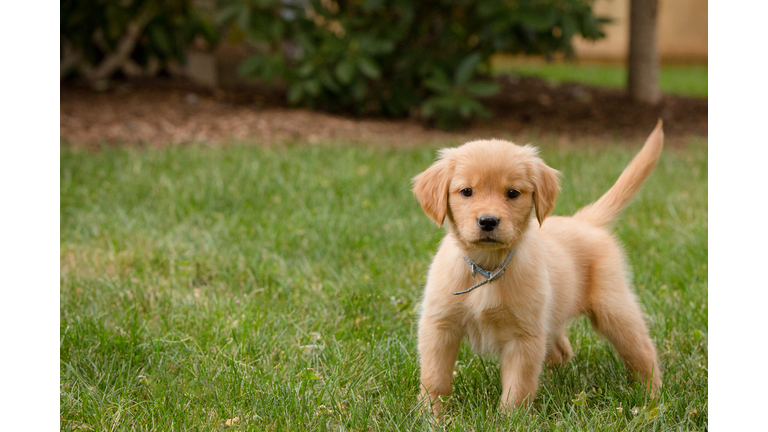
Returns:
(164, 111)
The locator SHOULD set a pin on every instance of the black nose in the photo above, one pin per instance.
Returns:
(488, 223)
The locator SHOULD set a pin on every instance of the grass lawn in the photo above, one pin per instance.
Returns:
(277, 289)
(684, 80)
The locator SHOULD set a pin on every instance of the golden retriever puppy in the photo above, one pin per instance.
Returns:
(510, 282)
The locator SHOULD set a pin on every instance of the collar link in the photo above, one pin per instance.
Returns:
(489, 276)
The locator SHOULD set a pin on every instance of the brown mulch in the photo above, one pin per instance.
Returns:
(582, 111)
(163, 111)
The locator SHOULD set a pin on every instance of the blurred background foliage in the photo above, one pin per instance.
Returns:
(100, 38)
(395, 58)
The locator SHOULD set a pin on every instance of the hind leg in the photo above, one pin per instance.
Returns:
(615, 313)
(520, 364)
(558, 349)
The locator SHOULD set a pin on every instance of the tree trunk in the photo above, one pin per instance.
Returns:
(643, 68)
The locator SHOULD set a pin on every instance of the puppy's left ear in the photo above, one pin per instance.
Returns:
(431, 189)
(547, 188)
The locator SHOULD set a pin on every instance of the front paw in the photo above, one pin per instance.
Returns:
(511, 404)
(437, 405)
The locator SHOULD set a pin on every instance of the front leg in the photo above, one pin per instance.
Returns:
(439, 343)
(521, 362)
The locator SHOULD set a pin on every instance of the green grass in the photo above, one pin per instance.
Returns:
(685, 80)
(280, 287)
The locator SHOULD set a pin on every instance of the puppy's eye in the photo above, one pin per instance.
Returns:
(513, 193)
(466, 192)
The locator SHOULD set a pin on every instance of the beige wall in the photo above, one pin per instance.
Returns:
(682, 31)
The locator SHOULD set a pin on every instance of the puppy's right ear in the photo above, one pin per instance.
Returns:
(431, 189)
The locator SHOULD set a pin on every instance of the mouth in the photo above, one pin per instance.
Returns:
(488, 240)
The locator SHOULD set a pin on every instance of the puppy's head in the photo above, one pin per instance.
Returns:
(488, 190)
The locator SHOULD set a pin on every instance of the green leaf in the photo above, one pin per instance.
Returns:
(371, 5)
(652, 413)
(438, 82)
(428, 108)
(277, 29)
(437, 85)
(482, 89)
(345, 71)
(274, 66)
(159, 39)
(539, 20)
(359, 90)
(209, 31)
(369, 68)
(310, 374)
(465, 110)
(295, 93)
(264, 4)
(307, 43)
(244, 19)
(384, 46)
(305, 70)
(375, 46)
(228, 14)
(251, 66)
(467, 68)
(569, 27)
(312, 87)
(580, 400)
(327, 80)
(436, 103)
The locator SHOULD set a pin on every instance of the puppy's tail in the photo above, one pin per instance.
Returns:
(603, 211)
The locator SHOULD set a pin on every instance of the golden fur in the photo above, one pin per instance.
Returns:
(563, 267)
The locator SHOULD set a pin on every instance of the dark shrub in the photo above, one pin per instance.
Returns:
(399, 57)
